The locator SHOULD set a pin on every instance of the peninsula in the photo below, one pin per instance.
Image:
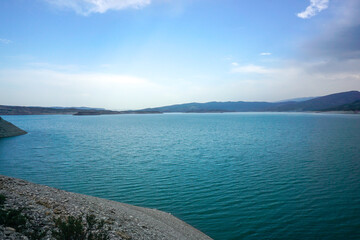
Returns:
(9, 130)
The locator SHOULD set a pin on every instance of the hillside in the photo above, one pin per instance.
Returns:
(81, 111)
(8, 129)
(21, 110)
(322, 103)
(355, 107)
(220, 107)
(313, 104)
(42, 205)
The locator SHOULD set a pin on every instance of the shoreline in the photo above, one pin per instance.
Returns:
(166, 113)
(42, 204)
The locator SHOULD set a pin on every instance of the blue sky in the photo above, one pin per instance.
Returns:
(131, 54)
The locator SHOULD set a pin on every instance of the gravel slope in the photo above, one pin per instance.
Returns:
(43, 204)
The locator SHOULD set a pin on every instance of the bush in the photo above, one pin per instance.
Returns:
(70, 229)
(36, 233)
(2, 200)
(73, 229)
(13, 218)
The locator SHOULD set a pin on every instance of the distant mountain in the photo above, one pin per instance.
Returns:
(355, 107)
(296, 99)
(20, 110)
(219, 107)
(313, 104)
(80, 108)
(322, 103)
(341, 101)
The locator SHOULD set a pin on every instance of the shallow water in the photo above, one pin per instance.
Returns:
(233, 176)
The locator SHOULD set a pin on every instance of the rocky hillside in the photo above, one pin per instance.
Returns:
(43, 212)
(9, 130)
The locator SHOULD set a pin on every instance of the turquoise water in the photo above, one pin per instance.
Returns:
(233, 176)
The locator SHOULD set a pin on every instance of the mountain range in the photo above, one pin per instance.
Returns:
(80, 111)
(344, 101)
(324, 103)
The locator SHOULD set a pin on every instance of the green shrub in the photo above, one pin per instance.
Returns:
(70, 229)
(36, 233)
(73, 229)
(2, 200)
(13, 218)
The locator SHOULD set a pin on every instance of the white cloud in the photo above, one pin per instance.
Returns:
(41, 86)
(235, 64)
(315, 7)
(265, 54)
(86, 7)
(48, 87)
(252, 69)
(5, 41)
(295, 79)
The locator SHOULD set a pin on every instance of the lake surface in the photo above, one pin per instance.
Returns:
(233, 176)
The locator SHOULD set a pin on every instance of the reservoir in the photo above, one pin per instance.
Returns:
(231, 175)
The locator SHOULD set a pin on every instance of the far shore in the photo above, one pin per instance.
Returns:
(200, 112)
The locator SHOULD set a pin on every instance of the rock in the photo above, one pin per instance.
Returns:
(57, 211)
(9, 230)
(123, 235)
(9, 130)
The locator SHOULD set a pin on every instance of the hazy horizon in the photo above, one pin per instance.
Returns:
(119, 109)
(136, 54)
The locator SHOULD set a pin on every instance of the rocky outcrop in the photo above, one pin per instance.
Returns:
(42, 204)
(9, 130)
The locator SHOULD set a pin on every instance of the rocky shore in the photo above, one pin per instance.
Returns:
(42, 205)
(9, 130)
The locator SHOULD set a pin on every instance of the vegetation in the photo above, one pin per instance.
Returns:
(2, 201)
(314, 104)
(73, 229)
(70, 229)
(355, 107)
(11, 217)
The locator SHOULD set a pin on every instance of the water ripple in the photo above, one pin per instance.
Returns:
(233, 176)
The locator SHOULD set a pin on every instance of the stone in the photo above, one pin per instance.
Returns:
(123, 235)
(10, 229)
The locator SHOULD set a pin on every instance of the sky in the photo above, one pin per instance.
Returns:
(134, 54)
